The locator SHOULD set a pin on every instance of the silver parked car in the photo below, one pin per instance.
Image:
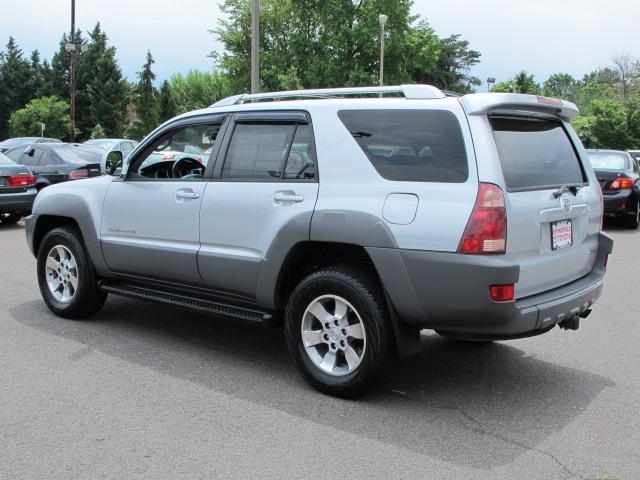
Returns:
(353, 219)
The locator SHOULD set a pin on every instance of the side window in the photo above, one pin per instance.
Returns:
(257, 151)
(31, 160)
(410, 145)
(178, 154)
(301, 158)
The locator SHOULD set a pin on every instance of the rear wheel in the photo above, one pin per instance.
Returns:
(10, 218)
(67, 280)
(633, 220)
(338, 331)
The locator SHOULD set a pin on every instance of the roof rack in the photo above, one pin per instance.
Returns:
(410, 92)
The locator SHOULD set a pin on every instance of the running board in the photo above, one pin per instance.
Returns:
(144, 293)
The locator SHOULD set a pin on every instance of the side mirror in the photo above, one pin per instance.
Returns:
(113, 164)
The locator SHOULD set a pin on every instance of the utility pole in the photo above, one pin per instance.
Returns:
(382, 19)
(255, 46)
(73, 71)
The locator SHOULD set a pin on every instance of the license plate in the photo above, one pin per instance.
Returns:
(561, 234)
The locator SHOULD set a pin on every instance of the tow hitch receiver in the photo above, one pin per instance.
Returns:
(573, 323)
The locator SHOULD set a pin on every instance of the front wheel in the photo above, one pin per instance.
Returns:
(338, 331)
(10, 218)
(67, 280)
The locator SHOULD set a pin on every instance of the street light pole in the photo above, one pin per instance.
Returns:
(382, 19)
(255, 46)
(490, 82)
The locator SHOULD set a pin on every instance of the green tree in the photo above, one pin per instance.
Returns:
(98, 132)
(51, 111)
(583, 125)
(633, 122)
(101, 90)
(455, 61)
(610, 124)
(523, 82)
(146, 101)
(561, 85)
(198, 89)
(15, 83)
(314, 44)
(167, 107)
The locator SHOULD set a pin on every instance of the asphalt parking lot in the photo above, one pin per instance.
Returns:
(148, 391)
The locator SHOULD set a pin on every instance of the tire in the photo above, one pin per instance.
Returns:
(78, 295)
(462, 338)
(356, 352)
(10, 218)
(633, 220)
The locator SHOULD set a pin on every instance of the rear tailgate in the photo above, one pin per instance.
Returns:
(551, 233)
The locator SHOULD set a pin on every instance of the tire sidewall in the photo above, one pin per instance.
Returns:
(335, 283)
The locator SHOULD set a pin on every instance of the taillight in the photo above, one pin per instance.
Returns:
(78, 174)
(486, 231)
(503, 293)
(622, 183)
(22, 180)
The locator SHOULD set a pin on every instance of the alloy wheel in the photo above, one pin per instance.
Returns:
(61, 270)
(333, 335)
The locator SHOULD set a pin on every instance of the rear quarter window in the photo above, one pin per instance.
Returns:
(410, 145)
(535, 153)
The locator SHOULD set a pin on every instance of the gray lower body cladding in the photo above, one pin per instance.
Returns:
(450, 291)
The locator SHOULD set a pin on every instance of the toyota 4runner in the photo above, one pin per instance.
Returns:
(356, 216)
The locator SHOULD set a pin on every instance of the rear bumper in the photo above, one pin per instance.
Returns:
(617, 203)
(18, 202)
(448, 291)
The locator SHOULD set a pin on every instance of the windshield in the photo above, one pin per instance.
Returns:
(15, 142)
(608, 160)
(107, 144)
(535, 153)
(4, 160)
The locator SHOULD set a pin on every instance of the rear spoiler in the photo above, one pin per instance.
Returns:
(484, 103)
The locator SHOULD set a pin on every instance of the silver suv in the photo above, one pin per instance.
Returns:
(356, 216)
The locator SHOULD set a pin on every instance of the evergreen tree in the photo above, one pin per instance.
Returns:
(167, 107)
(15, 84)
(146, 100)
(100, 88)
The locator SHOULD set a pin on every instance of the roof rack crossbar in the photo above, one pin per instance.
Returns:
(410, 92)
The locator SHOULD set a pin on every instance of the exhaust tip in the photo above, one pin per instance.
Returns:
(572, 323)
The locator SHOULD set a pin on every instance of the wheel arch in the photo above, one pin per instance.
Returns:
(309, 256)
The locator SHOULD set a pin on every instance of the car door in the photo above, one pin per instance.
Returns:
(261, 199)
(150, 224)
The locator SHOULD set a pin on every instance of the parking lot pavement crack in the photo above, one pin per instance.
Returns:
(478, 427)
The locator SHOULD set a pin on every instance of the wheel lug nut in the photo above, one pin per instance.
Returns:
(336, 322)
(327, 325)
(333, 345)
(344, 331)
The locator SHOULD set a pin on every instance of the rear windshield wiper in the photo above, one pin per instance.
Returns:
(567, 188)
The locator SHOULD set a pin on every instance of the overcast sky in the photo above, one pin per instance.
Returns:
(541, 36)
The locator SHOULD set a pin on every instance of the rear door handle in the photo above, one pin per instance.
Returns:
(287, 197)
(187, 194)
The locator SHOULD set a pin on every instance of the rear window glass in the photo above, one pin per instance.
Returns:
(535, 153)
(410, 145)
(608, 160)
(80, 154)
(4, 160)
